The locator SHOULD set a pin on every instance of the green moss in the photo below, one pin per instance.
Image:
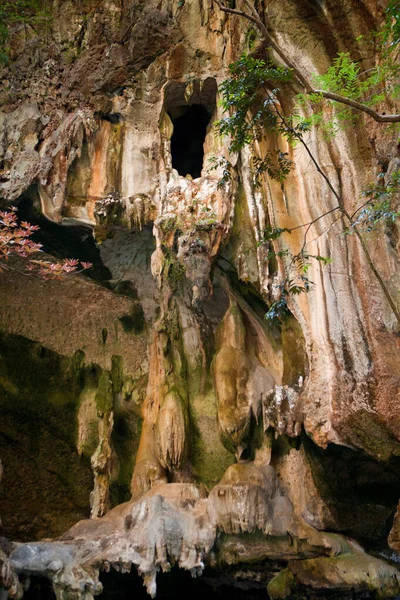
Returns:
(357, 573)
(119, 493)
(135, 321)
(133, 394)
(117, 373)
(125, 440)
(78, 180)
(173, 269)
(104, 395)
(128, 394)
(283, 445)
(281, 585)
(169, 224)
(77, 367)
(176, 272)
(207, 454)
(90, 439)
(46, 484)
(294, 354)
(207, 224)
(257, 435)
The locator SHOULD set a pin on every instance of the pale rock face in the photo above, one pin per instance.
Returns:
(171, 429)
(279, 411)
(179, 341)
(241, 381)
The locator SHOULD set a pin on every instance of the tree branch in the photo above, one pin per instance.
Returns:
(359, 106)
(328, 212)
(344, 212)
(254, 18)
(233, 11)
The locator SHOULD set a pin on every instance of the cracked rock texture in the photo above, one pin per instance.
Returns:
(148, 409)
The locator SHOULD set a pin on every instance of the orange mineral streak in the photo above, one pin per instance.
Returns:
(98, 183)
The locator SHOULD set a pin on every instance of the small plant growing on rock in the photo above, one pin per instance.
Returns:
(173, 269)
(170, 223)
(109, 208)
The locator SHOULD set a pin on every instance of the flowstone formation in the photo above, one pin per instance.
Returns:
(176, 524)
(151, 417)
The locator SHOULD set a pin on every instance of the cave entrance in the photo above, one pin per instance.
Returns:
(187, 140)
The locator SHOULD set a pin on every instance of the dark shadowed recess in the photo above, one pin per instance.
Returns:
(361, 493)
(247, 584)
(72, 241)
(190, 117)
(176, 584)
(188, 139)
(46, 484)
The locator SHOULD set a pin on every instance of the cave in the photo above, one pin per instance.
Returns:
(188, 138)
(210, 410)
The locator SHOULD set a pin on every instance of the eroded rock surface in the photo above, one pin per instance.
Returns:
(187, 419)
(178, 524)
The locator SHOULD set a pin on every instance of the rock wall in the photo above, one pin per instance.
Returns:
(175, 381)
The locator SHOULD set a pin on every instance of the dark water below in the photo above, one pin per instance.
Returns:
(180, 585)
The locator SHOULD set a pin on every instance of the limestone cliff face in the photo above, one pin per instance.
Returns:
(107, 133)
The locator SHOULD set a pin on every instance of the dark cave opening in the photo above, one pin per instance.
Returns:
(40, 588)
(188, 138)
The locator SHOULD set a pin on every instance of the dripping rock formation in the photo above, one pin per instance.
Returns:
(151, 417)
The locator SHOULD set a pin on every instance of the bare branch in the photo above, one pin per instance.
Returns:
(360, 208)
(328, 212)
(236, 12)
(359, 106)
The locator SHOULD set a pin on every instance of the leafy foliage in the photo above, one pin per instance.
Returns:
(381, 204)
(253, 113)
(276, 163)
(297, 281)
(243, 99)
(250, 98)
(389, 36)
(216, 162)
(346, 78)
(15, 241)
